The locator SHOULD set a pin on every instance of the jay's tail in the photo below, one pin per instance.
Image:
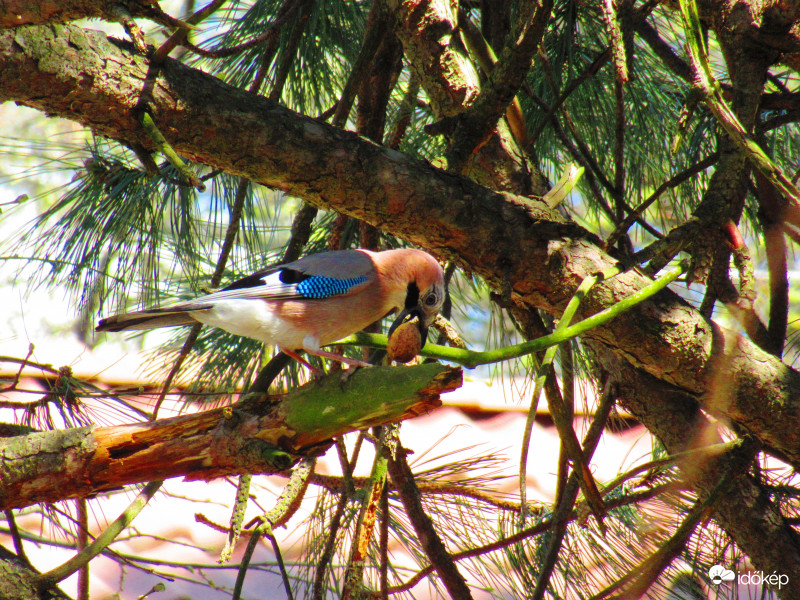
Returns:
(151, 319)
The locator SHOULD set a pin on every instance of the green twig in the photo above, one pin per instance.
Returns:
(473, 358)
(565, 430)
(49, 579)
(166, 149)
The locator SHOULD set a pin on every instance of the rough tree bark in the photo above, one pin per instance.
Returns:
(523, 249)
(14, 13)
(528, 253)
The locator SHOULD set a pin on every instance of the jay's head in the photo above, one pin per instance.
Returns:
(425, 291)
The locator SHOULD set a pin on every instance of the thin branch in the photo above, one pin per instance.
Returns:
(180, 36)
(13, 530)
(515, 538)
(616, 42)
(353, 577)
(560, 416)
(287, 585)
(662, 49)
(383, 545)
(590, 71)
(289, 50)
(404, 113)
(333, 527)
(566, 354)
(672, 182)
(133, 30)
(237, 516)
(163, 146)
(771, 220)
(441, 560)
(566, 505)
(50, 578)
(741, 301)
(82, 524)
(268, 35)
(285, 506)
(335, 524)
(791, 233)
(378, 24)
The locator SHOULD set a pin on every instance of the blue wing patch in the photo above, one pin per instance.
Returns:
(318, 287)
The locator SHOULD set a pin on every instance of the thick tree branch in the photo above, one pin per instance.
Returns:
(429, 34)
(14, 13)
(263, 434)
(518, 245)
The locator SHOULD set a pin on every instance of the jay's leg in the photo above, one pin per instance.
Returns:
(353, 362)
(302, 361)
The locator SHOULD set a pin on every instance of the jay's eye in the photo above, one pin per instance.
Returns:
(430, 300)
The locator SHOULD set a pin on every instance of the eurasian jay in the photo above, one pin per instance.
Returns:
(311, 302)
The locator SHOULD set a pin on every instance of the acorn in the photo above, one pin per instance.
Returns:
(405, 341)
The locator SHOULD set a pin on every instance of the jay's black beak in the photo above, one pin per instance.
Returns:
(407, 314)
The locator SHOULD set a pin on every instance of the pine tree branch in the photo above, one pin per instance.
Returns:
(748, 514)
(452, 83)
(515, 538)
(285, 506)
(513, 243)
(479, 121)
(441, 560)
(263, 434)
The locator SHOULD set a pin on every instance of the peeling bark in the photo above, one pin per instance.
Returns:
(263, 434)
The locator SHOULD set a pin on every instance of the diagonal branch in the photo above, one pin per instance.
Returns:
(441, 560)
(478, 122)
